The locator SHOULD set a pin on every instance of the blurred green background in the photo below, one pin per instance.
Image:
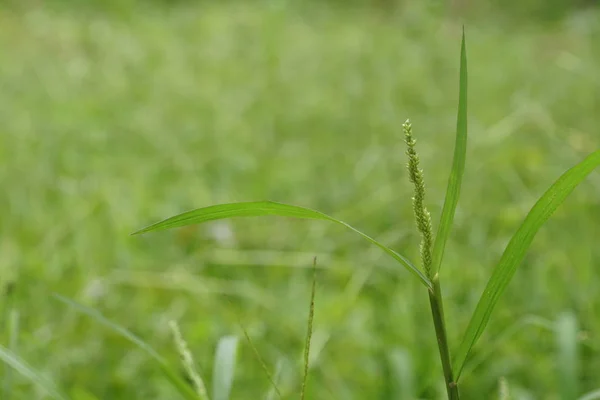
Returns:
(116, 114)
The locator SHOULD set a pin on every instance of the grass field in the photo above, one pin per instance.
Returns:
(113, 120)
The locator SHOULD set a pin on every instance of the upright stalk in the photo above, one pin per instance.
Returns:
(437, 312)
(423, 219)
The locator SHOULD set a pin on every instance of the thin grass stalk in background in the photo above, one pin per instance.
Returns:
(278, 372)
(257, 355)
(188, 361)
(309, 329)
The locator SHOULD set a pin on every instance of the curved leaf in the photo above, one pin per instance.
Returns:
(516, 249)
(262, 208)
(458, 166)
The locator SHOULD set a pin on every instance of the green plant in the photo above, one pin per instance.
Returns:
(302, 105)
(432, 251)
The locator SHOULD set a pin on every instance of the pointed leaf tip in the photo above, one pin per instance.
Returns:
(458, 166)
(264, 208)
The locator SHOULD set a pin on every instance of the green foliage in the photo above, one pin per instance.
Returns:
(309, 330)
(181, 386)
(22, 367)
(516, 249)
(110, 121)
(458, 165)
(511, 258)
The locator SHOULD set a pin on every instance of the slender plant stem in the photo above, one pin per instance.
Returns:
(423, 220)
(437, 312)
(309, 332)
(256, 353)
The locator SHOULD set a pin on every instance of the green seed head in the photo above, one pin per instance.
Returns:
(422, 216)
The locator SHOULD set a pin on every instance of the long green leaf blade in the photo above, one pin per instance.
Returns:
(262, 208)
(27, 371)
(516, 249)
(182, 387)
(458, 166)
(224, 367)
(568, 358)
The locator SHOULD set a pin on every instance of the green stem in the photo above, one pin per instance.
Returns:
(437, 312)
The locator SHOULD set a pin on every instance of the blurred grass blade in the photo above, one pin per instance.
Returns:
(27, 371)
(262, 208)
(279, 366)
(503, 389)
(260, 360)
(402, 374)
(458, 166)
(568, 358)
(309, 329)
(516, 249)
(182, 387)
(10, 317)
(13, 334)
(594, 395)
(224, 367)
(187, 360)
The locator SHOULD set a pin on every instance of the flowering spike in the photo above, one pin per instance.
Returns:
(422, 216)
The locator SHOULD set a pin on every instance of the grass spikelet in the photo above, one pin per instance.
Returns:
(422, 215)
(188, 361)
